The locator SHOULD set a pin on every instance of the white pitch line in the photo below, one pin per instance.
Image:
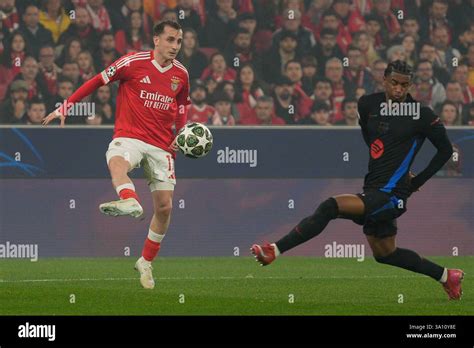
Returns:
(204, 278)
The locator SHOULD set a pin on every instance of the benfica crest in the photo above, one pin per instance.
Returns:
(174, 83)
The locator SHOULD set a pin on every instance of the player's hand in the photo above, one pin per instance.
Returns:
(173, 146)
(412, 175)
(55, 114)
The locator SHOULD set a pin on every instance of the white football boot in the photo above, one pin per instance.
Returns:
(129, 206)
(146, 277)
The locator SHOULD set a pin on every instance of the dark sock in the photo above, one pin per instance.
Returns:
(310, 226)
(410, 260)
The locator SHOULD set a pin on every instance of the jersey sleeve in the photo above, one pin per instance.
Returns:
(118, 70)
(433, 129)
(363, 114)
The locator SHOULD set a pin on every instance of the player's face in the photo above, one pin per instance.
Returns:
(397, 86)
(169, 42)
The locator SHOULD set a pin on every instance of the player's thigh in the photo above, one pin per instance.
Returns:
(128, 149)
(349, 205)
(382, 246)
(158, 166)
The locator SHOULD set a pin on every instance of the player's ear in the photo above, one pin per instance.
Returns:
(156, 39)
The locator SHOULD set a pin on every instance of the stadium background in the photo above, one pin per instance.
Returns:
(241, 204)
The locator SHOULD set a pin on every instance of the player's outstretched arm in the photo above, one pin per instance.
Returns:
(82, 92)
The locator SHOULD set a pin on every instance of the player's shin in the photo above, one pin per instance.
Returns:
(410, 260)
(310, 226)
(152, 245)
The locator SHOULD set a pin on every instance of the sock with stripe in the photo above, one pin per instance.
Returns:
(152, 245)
(127, 191)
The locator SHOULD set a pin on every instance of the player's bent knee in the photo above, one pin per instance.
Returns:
(163, 209)
(328, 209)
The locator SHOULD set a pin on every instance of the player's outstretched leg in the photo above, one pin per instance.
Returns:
(310, 227)
(162, 203)
(385, 251)
(129, 203)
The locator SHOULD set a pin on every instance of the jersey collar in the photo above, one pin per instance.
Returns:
(158, 66)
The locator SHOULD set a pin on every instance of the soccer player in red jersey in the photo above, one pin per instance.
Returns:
(152, 97)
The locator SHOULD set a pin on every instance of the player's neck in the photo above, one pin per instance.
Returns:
(161, 60)
(393, 100)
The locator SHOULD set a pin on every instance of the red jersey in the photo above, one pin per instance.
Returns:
(200, 114)
(149, 97)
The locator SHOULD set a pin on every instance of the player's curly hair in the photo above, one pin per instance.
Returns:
(399, 67)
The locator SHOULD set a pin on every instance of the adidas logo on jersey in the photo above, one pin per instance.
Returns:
(146, 79)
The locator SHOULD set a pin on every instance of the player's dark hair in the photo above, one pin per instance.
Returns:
(400, 67)
(160, 27)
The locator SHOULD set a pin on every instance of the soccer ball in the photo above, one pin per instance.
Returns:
(194, 140)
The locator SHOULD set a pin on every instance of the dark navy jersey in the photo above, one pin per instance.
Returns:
(394, 133)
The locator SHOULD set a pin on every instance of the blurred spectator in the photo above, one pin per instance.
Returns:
(461, 75)
(436, 18)
(290, 105)
(470, 115)
(455, 96)
(188, 17)
(410, 26)
(359, 92)
(11, 61)
(134, 38)
(349, 110)
(426, 88)
(276, 58)
(220, 27)
(121, 16)
(36, 111)
(81, 28)
(71, 71)
(322, 91)
(294, 71)
(33, 31)
(65, 90)
(239, 50)
(70, 51)
(37, 86)
(3, 37)
(106, 54)
(330, 20)
(238, 109)
(222, 115)
(315, 12)
(464, 40)
(309, 65)
(470, 63)
(169, 15)
(95, 120)
(104, 106)
(292, 24)
(378, 38)
(409, 45)
(327, 48)
(86, 65)
(248, 88)
(396, 52)
(449, 114)
(194, 60)
(362, 41)
(320, 115)
(53, 17)
(375, 84)
(263, 114)
(47, 69)
(389, 25)
(99, 15)
(356, 73)
(13, 109)
(218, 69)
(211, 85)
(199, 110)
(351, 19)
(9, 15)
(446, 53)
(428, 51)
(340, 88)
(260, 38)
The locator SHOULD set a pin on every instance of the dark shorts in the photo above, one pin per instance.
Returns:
(381, 211)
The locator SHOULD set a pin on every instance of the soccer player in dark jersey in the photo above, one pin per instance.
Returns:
(394, 127)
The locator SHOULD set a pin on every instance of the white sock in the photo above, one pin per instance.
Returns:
(145, 261)
(124, 186)
(155, 237)
(277, 252)
(444, 277)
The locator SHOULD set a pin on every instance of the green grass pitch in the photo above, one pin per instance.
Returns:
(226, 286)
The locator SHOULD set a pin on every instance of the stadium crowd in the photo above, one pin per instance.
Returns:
(251, 62)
